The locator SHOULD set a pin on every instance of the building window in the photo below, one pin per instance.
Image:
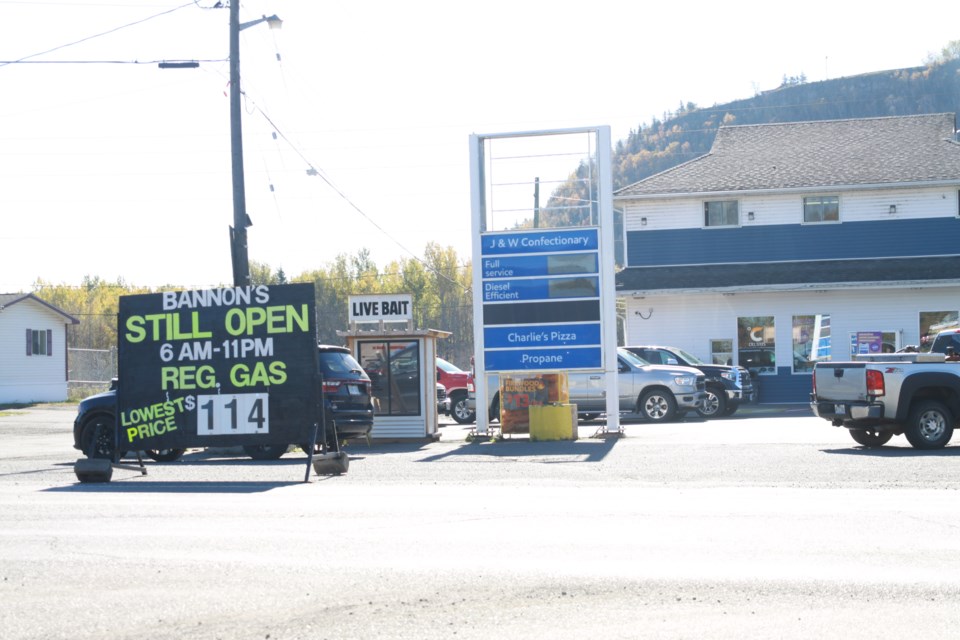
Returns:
(721, 352)
(872, 342)
(721, 213)
(933, 322)
(756, 344)
(394, 370)
(821, 209)
(39, 343)
(811, 341)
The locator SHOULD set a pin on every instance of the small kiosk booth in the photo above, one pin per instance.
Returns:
(401, 362)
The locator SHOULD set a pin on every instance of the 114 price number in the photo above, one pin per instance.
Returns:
(233, 414)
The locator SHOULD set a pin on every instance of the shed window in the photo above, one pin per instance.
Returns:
(39, 342)
(721, 213)
(821, 209)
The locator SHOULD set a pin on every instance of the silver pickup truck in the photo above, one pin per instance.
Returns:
(658, 393)
(879, 396)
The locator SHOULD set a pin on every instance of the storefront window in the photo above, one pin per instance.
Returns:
(394, 370)
(811, 341)
(872, 342)
(933, 322)
(756, 344)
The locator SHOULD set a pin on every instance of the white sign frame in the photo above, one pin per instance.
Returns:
(608, 311)
(376, 308)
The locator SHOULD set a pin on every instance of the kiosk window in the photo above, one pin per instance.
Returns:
(395, 374)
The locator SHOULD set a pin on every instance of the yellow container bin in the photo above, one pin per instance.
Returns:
(553, 422)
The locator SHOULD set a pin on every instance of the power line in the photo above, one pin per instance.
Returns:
(165, 61)
(313, 171)
(97, 35)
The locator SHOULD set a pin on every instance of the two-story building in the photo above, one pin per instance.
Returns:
(792, 243)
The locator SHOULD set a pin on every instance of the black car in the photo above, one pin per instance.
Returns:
(347, 404)
(727, 386)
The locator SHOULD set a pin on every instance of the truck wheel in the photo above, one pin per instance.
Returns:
(714, 405)
(871, 438)
(265, 451)
(658, 406)
(929, 425)
(165, 455)
(731, 408)
(459, 410)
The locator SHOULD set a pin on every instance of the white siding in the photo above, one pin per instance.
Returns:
(398, 427)
(26, 378)
(683, 212)
(676, 213)
(691, 321)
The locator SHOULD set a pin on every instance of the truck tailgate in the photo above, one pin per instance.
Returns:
(841, 381)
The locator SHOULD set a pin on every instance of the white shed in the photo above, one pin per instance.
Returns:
(33, 349)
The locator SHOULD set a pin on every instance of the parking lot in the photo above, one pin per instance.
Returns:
(768, 524)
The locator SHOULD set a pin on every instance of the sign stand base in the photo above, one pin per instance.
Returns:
(101, 469)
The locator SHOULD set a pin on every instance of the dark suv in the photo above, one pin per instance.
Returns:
(347, 405)
(727, 386)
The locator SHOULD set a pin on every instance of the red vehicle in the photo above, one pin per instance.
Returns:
(456, 380)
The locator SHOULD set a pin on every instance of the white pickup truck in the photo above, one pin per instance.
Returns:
(878, 396)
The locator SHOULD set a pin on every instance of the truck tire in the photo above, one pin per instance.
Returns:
(658, 406)
(459, 410)
(714, 405)
(870, 437)
(929, 425)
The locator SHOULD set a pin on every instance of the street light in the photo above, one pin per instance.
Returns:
(238, 232)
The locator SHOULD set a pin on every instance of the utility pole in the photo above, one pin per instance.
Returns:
(238, 232)
(536, 203)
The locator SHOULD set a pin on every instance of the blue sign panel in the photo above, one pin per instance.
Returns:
(533, 336)
(541, 289)
(541, 295)
(540, 265)
(540, 241)
(543, 359)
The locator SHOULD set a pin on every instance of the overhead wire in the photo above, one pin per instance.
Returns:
(100, 35)
(314, 171)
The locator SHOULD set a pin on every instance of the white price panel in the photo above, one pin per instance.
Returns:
(233, 414)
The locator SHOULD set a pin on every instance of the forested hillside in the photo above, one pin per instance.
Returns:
(689, 132)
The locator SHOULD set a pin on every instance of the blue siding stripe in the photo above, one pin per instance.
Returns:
(784, 243)
(785, 387)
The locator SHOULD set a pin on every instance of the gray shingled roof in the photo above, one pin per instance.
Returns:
(820, 274)
(864, 151)
(8, 299)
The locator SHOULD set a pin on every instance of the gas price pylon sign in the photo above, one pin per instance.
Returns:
(217, 367)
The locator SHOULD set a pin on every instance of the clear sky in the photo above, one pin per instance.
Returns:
(123, 170)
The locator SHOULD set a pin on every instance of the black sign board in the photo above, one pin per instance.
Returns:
(217, 367)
